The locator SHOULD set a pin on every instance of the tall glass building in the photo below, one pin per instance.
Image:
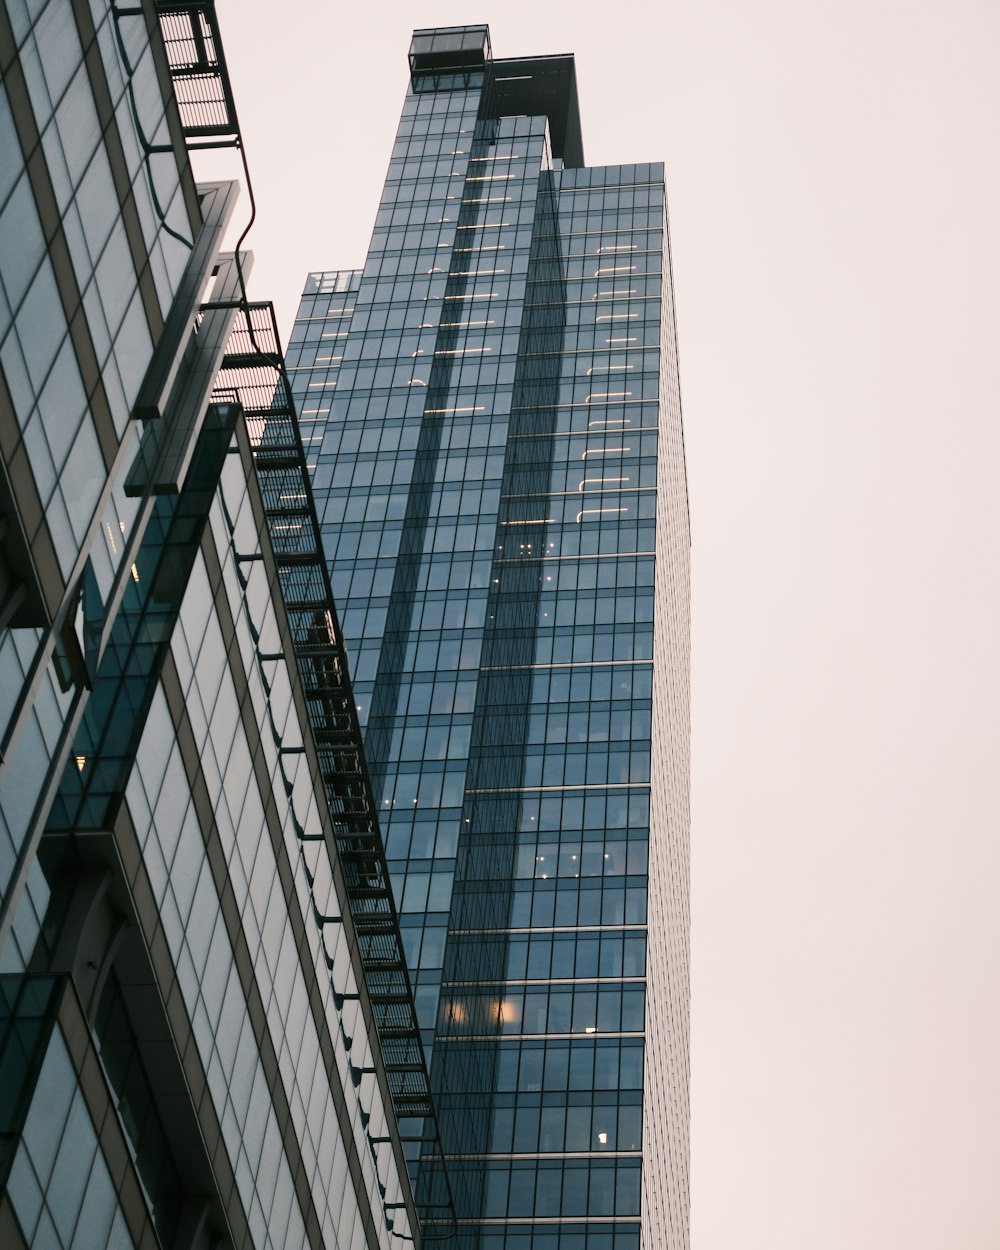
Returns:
(207, 1035)
(492, 421)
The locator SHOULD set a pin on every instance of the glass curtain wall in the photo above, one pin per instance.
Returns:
(497, 466)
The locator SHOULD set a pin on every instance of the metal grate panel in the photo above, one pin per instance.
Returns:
(198, 69)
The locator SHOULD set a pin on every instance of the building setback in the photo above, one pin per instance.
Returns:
(206, 1025)
(492, 419)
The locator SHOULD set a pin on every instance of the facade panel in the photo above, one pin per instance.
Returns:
(193, 1044)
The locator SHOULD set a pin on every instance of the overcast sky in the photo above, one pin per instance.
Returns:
(834, 191)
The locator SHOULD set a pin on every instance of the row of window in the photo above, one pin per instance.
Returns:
(560, 1237)
(589, 813)
(525, 1129)
(456, 194)
(313, 393)
(623, 444)
(462, 465)
(430, 742)
(417, 892)
(414, 160)
(601, 575)
(423, 940)
(599, 444)
(587, 482)
(413, 840)
(474, 330)
(367, 579)
(413, 213)
(363, 589)
(378, 437)
(419, 143)
(415, 836)
(579, 724)
(609, 537)
(571, 645)
(427, 788)
(482, 371)
(570, 855)
(554, 693)
(439, 181)
(611, 200)
(585, 723)
(422, 109)
(479, 292)
(594, 609)
(577, 901)
(595, 385)
(585, 1009)
(589, 685)
(409, 402)
(595, 222)
(581, 955)
(564, 1187)
(432, 288)
(593, 766)
(383, 442)
(600, 498)
(436, 237)
(592, 1066)
(594, 811)
(504, 250)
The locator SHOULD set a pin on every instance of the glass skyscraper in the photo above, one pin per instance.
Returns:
(492, 421)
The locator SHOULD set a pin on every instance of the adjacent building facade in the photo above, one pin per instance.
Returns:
(492, 422)
(206, 1027)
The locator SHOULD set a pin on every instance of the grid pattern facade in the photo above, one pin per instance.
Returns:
(95, 234)
(189, 1052)
(498, 462)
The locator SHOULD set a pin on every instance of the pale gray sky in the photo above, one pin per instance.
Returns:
(835, 197)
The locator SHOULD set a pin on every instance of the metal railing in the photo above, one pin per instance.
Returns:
(253, 370)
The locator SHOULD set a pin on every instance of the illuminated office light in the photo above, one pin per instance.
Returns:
(597, 512)
(588, 480)
(439, 411)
